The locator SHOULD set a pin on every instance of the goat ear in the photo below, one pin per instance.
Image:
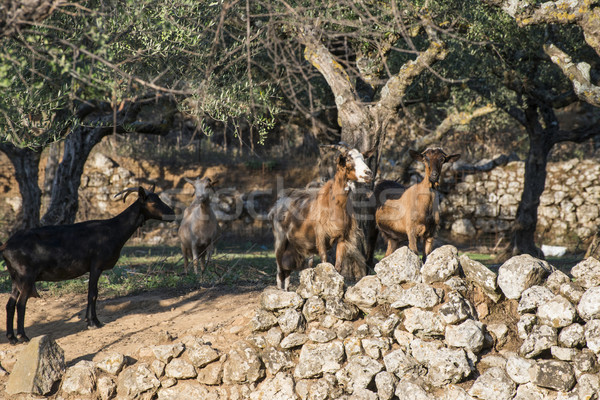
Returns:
(142, 193)
(452, 158)
(415, 155)
(369, 152)
(341, 161)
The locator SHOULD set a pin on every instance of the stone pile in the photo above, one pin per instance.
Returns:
(412, 331)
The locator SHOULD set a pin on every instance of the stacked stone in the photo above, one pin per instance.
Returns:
(486, 202)
(409, 330)
(560, 328)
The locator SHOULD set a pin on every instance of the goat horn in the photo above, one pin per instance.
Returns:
(127, 191)
(153, 187)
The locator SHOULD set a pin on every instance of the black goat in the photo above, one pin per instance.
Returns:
(61, 252)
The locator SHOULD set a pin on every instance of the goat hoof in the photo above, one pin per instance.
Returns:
(12, 339)
(23, 338)
(95, 325)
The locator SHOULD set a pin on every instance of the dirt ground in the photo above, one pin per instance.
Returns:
(218, 315)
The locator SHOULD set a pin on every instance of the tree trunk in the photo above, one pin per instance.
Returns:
(64, 201)
(26, 163)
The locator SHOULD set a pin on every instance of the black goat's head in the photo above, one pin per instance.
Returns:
(152, 205)
(434, 159)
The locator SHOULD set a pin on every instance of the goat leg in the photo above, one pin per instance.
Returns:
(21, 306)
(428, 247)
(340, 252)
(10, 315)
(90, 313)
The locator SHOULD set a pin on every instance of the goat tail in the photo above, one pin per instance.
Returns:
(354, 264)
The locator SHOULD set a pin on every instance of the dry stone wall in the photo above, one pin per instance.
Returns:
(486, 202)
(412, 331)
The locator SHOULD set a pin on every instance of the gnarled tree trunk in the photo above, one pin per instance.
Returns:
(26, 163)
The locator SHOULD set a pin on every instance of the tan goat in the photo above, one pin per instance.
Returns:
(199, 227)
(310, 221)
(412, 213)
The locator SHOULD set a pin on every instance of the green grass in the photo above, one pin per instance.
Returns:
(143, 268)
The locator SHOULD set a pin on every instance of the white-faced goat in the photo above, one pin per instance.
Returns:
(199, 227)
(412, 213)
(310, 221)
(61, 252)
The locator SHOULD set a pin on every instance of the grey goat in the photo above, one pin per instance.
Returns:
(199, 227)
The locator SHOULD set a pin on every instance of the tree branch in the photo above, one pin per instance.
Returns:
(395, 88)
(578, 74)
(14, 14)
(448, 124)
(584, 13)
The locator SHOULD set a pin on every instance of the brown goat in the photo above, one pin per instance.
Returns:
(310, 221)
(199, 227)
(412, 213)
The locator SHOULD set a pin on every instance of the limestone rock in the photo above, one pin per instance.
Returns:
(456, 309)
(533, 297)
(341, 309)
(135, 381)
(525, 325)
(321, 335)
(385, 382)
(358, 373)
(542, 337)
(552, 374)
(408, 390)
(243, 365)
(572, 291)
(112, 364)
(441, 264)
(520, 273)
(276, 360)
(587, 273)
(180, 369)
(518, 368)
(420, 295)
(212, 374)
(493, 384)
(423, 323)
(167, 352)
(572, 336)
(202, 355)
(279, 387)
(399, 267)
(399, 363)
(589, 305)
(38, 366)
(555, 280)
(290, 320)
(468, 335)
(530, 391)
(558, 312)
(294, 339)
(322, 281)
(263, 321)
(480, 276)
(314, 307)
(365, 293)
(316, 359)
(275, 299)
(107, 388)
(592, 335)
(80, 379)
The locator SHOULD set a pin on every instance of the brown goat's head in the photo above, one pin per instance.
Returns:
(352, 163)
(203, 187)
(152, 205)
(433, 158)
